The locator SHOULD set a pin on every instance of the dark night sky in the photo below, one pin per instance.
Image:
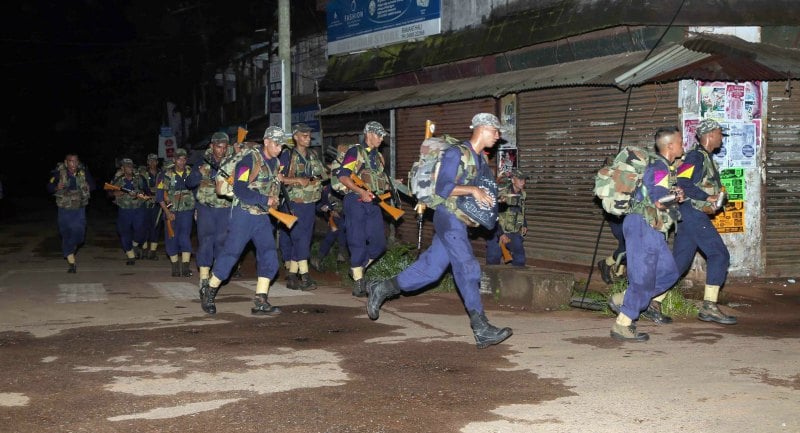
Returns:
(92, 76)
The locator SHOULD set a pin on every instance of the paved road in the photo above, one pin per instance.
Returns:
(118, 348)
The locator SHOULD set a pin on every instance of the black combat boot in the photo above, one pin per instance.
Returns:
(176, 269)
(379, 292)
(360, 288)
(137, 253)
(207, 296)
(292, 282)
(185, 270)
(72, 268)
(653, 312)
(485, 333)
(306, 283)
(152, 255)
(263, 307)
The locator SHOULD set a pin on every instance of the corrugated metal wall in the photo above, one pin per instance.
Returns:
(564, 136)
(782, 197)
(453, 119)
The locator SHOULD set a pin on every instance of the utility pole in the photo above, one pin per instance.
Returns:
(284, 54)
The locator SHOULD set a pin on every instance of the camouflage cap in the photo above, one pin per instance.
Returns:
(519, 174)
(708, 125)
(275, 134)
(301, 127)
(152, 157)
(485, 119)
(126, 161)
(220, 137)
(179, 152)
(376, 128)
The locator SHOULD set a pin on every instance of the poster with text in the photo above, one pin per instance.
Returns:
(733, 182)
(730, 220)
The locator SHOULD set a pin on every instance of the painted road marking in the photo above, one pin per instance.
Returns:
(177, 291)
(84, 292)
(276, 289)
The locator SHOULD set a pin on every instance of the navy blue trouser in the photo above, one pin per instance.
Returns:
(334, 236)
(182, 225)
(302, 232)
(284, 242)
(212, 229)
(153, 228)
(494, 255)
(615, 224)
(72, 227)
(364, 229)
(450, 247)
(130, 227)
(242, 229)
(696, 231)
(651, 268)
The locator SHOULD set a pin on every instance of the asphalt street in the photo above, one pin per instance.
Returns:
(116, 348)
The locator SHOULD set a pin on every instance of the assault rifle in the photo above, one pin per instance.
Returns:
(380, 200)
(111, 187)
(286, 219)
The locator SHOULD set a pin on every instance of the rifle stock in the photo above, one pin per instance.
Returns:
(170, 230)
(506, 253)
(394, 212)
(284, 218)
(332, 223)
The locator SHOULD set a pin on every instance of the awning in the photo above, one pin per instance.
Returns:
(702, 57)
(716, 58)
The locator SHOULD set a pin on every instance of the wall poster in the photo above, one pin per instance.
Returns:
(737, 107)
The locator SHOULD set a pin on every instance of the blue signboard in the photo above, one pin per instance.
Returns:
(355, 25)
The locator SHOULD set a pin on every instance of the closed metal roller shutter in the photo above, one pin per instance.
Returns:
(564, 136)
(782, 230)
(453, 119)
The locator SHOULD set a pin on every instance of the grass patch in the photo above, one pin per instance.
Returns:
(398, 256)
(675, 304)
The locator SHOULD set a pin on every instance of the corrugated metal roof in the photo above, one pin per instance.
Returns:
(596, 71)
(716, 57)
(702, 57)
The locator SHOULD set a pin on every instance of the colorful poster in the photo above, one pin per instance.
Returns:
(506, 160)
(731, 219)
(712, 101)
(733, 181)
(734, 102)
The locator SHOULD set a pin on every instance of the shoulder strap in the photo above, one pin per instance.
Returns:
(257, 161)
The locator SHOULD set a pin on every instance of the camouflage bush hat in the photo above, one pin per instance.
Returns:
(708, 125)
(301, 127)
(275, 134)
(486, 119)
(519, 174)
(179, 152)
(220, 137)
(152, 157)
(375, 128)
(126, 161)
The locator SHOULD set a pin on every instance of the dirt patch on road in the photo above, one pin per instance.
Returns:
(305, 370)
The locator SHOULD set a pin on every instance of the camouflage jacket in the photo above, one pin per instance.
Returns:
(660, 177)
(204, 183)
(293, 164)
(77, 187)
(512, 211)
(171, 188)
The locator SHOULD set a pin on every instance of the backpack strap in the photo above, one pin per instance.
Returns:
(257, 161)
